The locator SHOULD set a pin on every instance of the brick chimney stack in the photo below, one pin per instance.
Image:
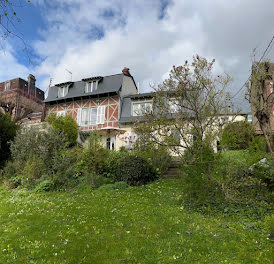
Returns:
(126, 72)
(31, 84)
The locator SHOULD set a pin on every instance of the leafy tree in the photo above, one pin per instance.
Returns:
(237, 135)
(67, 125)
(8, 129)
(186, 107)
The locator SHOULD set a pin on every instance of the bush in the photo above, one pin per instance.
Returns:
(237, 135)
(159, 158)
(112, 165)
(32, 142)
(8, 130)
(65, 124)
(135, 170)
(94, 157)
(63, 169)
(45, 186)
(41, 156)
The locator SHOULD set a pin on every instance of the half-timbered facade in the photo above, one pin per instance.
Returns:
(95, 103)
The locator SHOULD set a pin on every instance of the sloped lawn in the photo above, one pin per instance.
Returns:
(136, 225)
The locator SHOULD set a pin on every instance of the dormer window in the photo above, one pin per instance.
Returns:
(63, 88)
(63, 91)
(91, 86)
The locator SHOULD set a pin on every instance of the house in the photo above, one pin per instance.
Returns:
(20, 97)
(135, 105)
(95, 103)
(108, 105)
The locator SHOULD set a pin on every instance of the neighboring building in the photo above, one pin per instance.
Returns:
(20, 97)
(95, 103)
(269, 95)
(135, 105)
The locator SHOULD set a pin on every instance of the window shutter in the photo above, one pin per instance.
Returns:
(79, 115)
(99, 110)
(59, 92)
(102, 120)
(94, 116)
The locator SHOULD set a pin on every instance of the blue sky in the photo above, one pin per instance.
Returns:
(100, 37)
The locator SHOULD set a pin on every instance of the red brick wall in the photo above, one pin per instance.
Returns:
(111, 112)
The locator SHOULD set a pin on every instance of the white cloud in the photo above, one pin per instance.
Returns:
(9, 67)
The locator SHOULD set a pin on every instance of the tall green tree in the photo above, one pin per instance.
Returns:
(8, 130)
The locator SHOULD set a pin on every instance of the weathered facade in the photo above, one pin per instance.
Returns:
(20, 97)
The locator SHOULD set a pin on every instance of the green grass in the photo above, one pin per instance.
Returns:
(136, 225)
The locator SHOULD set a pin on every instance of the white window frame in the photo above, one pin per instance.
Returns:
(141, 110)
(63, 91)
(90, 120)
(91, 86)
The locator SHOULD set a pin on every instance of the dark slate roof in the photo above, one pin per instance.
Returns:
(126, 116)
(108, 84)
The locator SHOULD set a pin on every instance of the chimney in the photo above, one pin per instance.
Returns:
(126, 72)
(31, 84)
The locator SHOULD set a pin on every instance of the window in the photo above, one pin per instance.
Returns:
(110, 142)
(91, 116)
(249, 118)
(173, 106)
(141, 108)
(7, 86)
(63, 91)
(61, 113)
(91, 86)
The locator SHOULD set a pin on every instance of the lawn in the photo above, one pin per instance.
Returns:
(135, 225)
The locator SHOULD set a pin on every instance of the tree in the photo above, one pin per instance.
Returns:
(237, 135)
(65, 124)
(9, 18)
(186, 107)
(261, 103)
(8, 130)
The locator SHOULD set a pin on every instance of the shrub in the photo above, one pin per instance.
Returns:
(32, 142)
(159, 158)
(63, 169)
(135, 170)
(112, 165)
(237, 135)
(65, 124)
(94, 157)
(45, 186)
(8, 130)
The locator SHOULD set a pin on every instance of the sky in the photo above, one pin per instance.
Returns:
(100, 37)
